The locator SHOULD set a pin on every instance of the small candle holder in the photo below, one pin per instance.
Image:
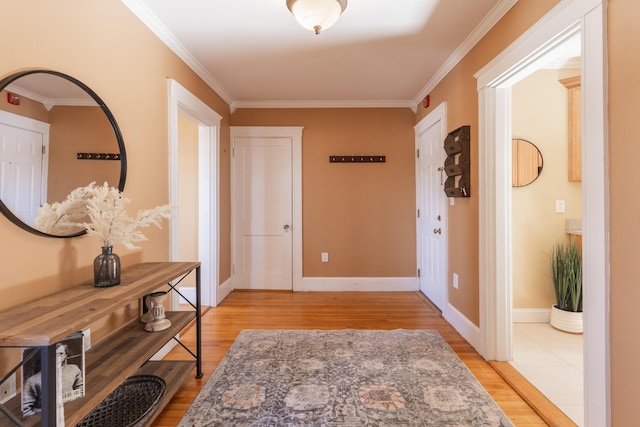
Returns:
(155, 319)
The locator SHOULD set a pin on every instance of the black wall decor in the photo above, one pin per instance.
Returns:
(358, 159)
(98, 156)
(458, 162)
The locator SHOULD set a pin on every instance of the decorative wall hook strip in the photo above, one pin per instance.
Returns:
(358, 159)
(98, 156)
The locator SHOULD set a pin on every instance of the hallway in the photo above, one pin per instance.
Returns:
(331, 310)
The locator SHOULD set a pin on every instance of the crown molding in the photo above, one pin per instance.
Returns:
(492, 18)
(49, 103)
(323, 104)
(153, 23)
(143, 13)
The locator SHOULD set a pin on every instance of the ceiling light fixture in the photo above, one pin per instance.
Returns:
(317, 15)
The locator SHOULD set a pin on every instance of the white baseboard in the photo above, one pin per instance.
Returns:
(531, 315)
(224, 290)
(165, 349)
(358, 284)
(189, 293)
(464, 326)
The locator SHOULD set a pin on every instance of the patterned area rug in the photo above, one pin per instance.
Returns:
(342, 378)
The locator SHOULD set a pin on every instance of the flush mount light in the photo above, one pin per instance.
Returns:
(317, 15)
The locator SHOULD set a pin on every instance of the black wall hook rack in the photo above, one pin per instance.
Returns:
(98, 156)
(358, 159)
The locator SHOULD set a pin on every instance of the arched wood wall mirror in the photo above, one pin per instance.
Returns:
(57, 135)
(526, 162)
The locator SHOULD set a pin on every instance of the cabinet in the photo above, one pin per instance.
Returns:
(573, 86)
(124, 352)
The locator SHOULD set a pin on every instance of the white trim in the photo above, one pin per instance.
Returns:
(465, 327)
(531, 315)
(190, 293)
(295, 133)
(494, 80)
(225, 289)
(496, 13)
(152, 22)
(139, 9)
(181, 101)
(359, 284)
(325, 104)
(595, 220)
(49, 103)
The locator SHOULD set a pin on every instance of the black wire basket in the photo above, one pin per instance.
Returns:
(131, 404)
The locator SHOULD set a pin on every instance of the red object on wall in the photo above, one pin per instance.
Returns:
(12, 98)
(426, 101)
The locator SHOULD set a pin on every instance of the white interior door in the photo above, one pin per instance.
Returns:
(431, 204)
(21, 171)
(262, 212)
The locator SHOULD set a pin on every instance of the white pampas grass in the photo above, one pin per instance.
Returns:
(103, 210)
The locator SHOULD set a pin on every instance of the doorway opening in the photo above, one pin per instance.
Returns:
(568, 19)
(183, 104)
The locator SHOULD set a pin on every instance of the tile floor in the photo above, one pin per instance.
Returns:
(551, 360)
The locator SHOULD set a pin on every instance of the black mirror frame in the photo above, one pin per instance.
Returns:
(539, 167)
(4, 209)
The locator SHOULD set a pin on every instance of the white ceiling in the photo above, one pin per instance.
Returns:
(379, 53)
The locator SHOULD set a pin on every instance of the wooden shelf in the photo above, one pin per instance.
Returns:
(110, 361)
(174, 373)
(48, 320)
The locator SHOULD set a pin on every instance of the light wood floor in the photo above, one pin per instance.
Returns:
(311, 310)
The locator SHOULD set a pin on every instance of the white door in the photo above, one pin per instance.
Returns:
(21, 171)
(262, 212)
(431, 203)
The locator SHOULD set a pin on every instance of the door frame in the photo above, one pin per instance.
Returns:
(568, 18)
(439, 113)
(181, 101)
(295, 134)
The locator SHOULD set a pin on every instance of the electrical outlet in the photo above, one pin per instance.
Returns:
(325, 256)
(455, 280)
(8, 389)
(559, 206)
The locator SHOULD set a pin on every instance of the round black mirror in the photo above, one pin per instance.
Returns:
(56, 135)
(526, 162)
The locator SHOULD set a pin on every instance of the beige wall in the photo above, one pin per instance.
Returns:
(100, 44)
(85, 130)
(362, 214)
(459, 90)
(187, 193)
(540, 116)
(624, 151)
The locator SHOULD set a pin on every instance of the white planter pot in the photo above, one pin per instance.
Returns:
(567, 321)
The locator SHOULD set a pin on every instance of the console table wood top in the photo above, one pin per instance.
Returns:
(48, 320)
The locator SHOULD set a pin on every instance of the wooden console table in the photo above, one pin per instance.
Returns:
(126, 351)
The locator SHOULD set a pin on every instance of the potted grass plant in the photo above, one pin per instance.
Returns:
(566, 271)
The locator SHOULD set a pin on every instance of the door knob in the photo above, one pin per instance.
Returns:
(286, 227)
(437, 231)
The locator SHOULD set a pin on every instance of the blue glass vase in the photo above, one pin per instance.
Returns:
(106, 268)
